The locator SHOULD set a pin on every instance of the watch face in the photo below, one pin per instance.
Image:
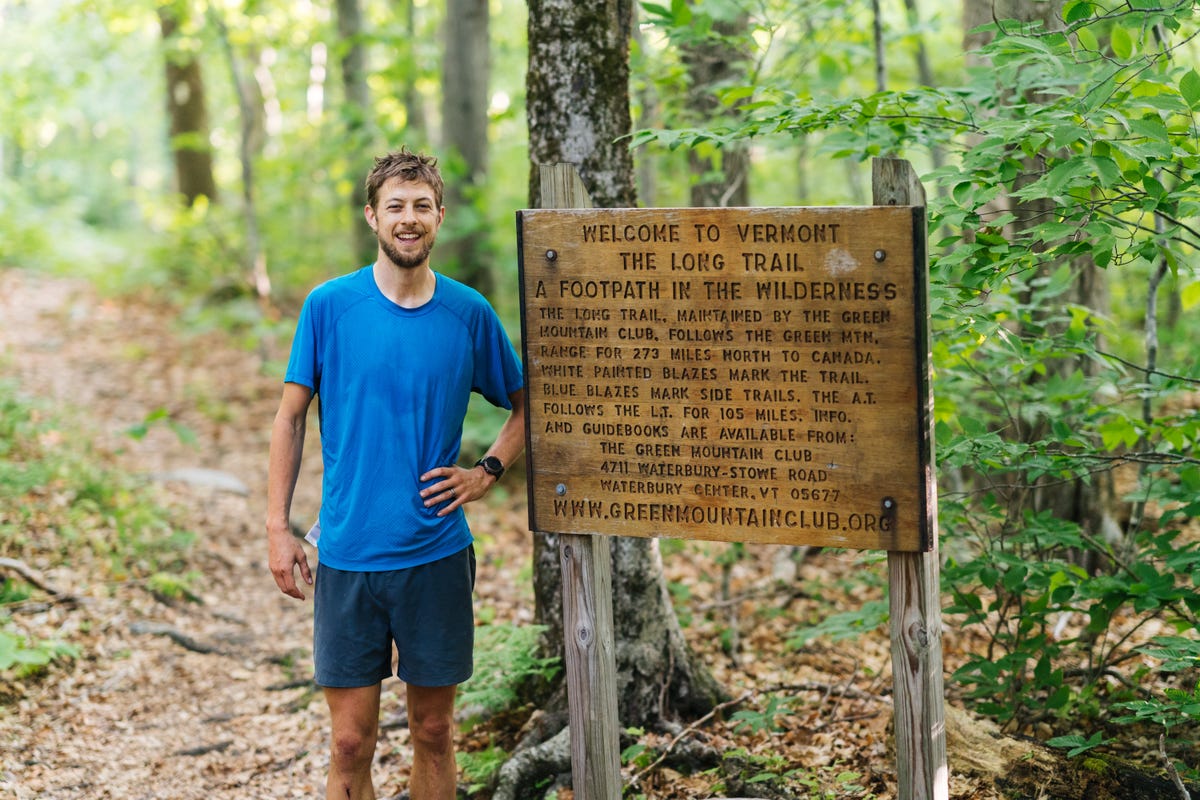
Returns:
(491, 465)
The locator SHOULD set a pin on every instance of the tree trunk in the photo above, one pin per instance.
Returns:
(578, 108)
(186, 110)
(924, 70)
(577, 95)
(646, 169)
(356, 113)
(1084, 502)
(658, 677)
(466, 70)
(880, 51)
(416, 121)
(250, 110)
(712, 64)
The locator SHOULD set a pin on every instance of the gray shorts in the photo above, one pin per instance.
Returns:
(426, 611)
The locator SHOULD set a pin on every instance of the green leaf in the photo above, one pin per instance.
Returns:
(1077, 743)
(1190, 295)
(632, 752)
(682, 12)
(1087, 39)
(1118, 432)
(1107, 171)
(1189, 87)
(1059, 698)
(731, 96)
(655, 10)
(1076, 11)
(1122, 42)
(828, 69)
(962, 192)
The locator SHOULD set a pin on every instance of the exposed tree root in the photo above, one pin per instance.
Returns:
(33, 578)
(534, 765)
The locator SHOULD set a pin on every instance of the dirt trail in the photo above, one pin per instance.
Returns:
(142, 714)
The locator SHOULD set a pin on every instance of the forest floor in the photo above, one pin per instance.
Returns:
(211, 697)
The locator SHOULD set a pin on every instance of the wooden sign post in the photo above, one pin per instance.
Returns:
(749, 375)
(913, 581)
(586, 564)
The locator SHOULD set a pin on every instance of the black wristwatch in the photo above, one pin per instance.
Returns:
(492, 466)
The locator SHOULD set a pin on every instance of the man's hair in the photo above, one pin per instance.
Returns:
(408, 167)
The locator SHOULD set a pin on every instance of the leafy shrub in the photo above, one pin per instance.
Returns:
(1065, 433)
(505, 656)
(21, 656)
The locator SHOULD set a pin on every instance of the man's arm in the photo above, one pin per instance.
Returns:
(287, 446)
(511, 439)
(461, 486)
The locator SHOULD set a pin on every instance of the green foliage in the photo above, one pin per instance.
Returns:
(637, 754)
(749, 775)
(821, 44)
(23, 237)
(60, 502)
(84, 147)
(479, 767)
(170, 586)
(20, 656)
(1077, 744)
(59, 498)
(506, 655)
(870, 616)
(162, 415)
(1071, 156)
(1177, 706)
(766, 719)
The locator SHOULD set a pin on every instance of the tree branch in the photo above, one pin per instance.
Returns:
(27, 574)
(1148, 370)
(1184, 794)
(679, 737)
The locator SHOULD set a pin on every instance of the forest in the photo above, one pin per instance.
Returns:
(176, 175)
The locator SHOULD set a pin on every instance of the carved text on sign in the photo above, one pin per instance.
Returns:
(729, 374)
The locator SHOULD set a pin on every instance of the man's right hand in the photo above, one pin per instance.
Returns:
(287, 446)
(286, 553)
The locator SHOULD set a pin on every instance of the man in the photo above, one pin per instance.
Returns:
(393, 351)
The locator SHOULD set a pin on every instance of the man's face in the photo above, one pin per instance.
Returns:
(406, 222)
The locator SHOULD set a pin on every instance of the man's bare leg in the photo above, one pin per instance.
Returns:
(431, 725)
(355, 716)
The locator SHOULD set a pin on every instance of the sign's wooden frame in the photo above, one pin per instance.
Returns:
(915, 617)
(746, 375)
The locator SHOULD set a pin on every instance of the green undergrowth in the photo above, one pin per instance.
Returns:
(65, 503)
(506, 658)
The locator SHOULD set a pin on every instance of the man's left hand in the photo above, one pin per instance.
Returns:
(456, 487)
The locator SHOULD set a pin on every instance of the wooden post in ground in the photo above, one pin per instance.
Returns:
(587, 606)
(913, 582)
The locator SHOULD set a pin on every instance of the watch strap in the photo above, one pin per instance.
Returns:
(492, 466)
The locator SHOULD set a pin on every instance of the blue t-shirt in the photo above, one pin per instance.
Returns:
(392, 386)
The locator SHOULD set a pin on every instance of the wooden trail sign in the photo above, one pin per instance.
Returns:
(915, 617)
(748, 374)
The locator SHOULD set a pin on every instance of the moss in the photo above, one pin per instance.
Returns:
(1096, 765)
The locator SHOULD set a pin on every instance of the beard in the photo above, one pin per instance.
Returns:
(404, 261)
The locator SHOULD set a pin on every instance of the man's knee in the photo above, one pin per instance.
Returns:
(435, 731)
(353, 749)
